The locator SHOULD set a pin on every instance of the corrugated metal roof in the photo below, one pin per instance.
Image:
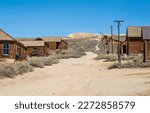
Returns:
(134, 31)
(146, 32)
(32, 43)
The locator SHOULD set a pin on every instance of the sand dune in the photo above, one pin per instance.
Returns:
(82, 76)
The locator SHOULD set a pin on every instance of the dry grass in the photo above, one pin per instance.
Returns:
(80, 46)
(130, 64)
(14, 69)
(40, 62)
(107, 57)
(110, 57)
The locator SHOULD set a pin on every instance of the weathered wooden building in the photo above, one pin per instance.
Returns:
(104, 43)
(110, 44)
(134, 40)
(9, 47)
(122, 41)
(55, 43)
(146, 39)
(35, 48)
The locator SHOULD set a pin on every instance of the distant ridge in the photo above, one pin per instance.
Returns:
(82, 35)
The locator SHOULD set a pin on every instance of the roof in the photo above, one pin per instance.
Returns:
(122, 38)
(52, 39)
(46, 39)
(32, 43)
(25, 39)
(146, 32)
(5, 36)
(134, 31)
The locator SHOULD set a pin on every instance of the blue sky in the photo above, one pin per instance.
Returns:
(33, 18)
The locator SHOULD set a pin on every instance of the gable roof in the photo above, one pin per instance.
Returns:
(134, 31)
(52, 39)
(146, 32)
(122, 38)
(46, 39)
(33, 43)
(25, 39)
(5, 36)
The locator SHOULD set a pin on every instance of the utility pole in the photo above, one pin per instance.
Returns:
(111, 28)
(119, 46)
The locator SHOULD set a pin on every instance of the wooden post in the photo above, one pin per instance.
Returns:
(145, 51)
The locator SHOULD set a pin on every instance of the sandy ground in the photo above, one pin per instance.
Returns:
(80, 77)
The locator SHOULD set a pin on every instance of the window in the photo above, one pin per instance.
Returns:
(5, 48)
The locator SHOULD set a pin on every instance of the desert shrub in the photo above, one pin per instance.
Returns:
(108, 57)
(114, 65)
(80, 46)
(65, 54)
(23, 67)
(43, 61)
(8, 70)
(36, 63)
(124, 57)
(130, 64)
(52, 59)
(138, 59)
(13, 69)
(112, 57)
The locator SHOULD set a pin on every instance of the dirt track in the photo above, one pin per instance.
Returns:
(82, 76)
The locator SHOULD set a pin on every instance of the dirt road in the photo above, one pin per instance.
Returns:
(79, 77)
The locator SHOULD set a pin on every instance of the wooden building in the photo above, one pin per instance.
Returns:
(134, 40)
(114, 44)
(9, 47)
(55, 43)
(35, 48)
(110, 44)
(105, 44)
(146, 39)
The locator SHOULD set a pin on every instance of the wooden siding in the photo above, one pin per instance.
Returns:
(134, 47)
(41, 50)
(64, 45)
(146, 51)
(54, 45)
(11, 50)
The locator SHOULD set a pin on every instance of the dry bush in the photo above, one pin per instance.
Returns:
(8, 70)
(70, 53)
(114, 65)
(52, 59)
(23, 67)
(108, 57)
(36, 63)
(124, 57)
(13, 69)
(130, 64)
(43, 61)
(78, 47)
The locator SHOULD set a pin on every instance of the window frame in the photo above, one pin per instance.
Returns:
(5, 49)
